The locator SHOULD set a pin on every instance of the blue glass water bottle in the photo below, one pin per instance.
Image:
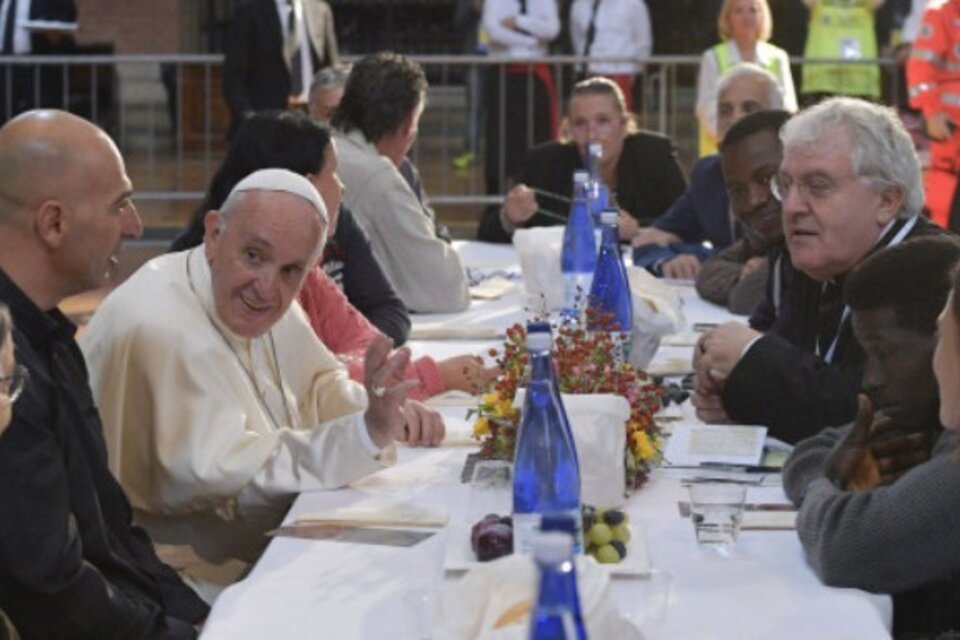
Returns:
(546, 477)
(579, 256)
(597, 194)
(557, 613)
(610, 292)
(544, 327)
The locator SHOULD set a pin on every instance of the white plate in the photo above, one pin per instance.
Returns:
(460, 556)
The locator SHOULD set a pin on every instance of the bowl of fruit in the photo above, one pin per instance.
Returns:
(609, 538)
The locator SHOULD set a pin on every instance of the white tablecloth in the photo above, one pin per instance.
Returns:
(315, 589)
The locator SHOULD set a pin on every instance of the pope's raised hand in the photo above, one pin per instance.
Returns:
(386, 390)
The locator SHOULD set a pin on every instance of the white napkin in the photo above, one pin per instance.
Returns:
(684, 339)
(493, 288)
(459, 432)
(471, 607)
(396, 515)
(455, 331)
(539, 251)
(657, 312)
(670, 367)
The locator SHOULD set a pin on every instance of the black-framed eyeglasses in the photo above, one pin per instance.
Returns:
(12, 385)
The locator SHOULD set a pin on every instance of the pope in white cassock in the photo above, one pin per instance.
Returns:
(219, 404)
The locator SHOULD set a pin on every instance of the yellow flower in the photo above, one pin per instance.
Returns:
(481, 427)
(504, 408)
(491, 398)
(643, 446)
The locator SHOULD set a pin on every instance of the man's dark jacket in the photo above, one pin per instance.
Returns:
(781, 382)
(71, 563)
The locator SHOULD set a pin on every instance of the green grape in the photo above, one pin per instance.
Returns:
(600, 534)
(621, 533)
(607, 554)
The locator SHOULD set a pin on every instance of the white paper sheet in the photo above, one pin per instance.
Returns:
(692, 444)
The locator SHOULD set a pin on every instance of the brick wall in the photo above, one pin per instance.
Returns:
(132, 26)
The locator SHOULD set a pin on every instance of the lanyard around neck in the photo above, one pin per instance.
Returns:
(831, 352)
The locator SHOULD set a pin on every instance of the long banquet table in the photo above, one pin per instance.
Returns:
(318, 589)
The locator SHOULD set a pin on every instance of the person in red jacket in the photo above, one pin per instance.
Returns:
(933, 76)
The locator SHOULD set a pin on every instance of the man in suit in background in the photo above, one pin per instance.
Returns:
(273, 50)
(34, 27)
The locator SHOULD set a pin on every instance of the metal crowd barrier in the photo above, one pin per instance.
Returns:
(169, 119)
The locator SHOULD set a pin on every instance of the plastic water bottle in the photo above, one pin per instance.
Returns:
(610, 292)
(579, 256)
(546, 477)
(557, 613)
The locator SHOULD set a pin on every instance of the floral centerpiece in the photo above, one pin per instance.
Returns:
(586, 362)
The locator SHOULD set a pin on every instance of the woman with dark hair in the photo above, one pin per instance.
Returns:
(296, 142)
(639, 168)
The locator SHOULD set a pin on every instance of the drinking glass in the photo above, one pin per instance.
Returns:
(716, 509)
(491, 489)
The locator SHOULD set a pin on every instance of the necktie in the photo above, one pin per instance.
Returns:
(9, 26)
(829, 314)
(293, 46)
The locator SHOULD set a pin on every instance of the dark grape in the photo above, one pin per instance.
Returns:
(613, 517)
(620, 547)
(494, 541)
(480, 527)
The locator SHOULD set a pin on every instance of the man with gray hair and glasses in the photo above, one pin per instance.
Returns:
(849, 185)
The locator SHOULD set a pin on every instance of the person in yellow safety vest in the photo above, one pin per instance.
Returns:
(933, 78)
(841, 29)
(744, 27)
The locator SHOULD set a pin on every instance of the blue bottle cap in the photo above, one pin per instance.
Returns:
(538, 327)
(558, 522)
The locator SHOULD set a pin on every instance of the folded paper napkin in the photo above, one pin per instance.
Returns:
(454, 398)
(657, 312)
(494, 600)
(385, 516)
(684, 339)
(455, 331)
(670, 367)
(539, 251)
(493, 288)
(459, 432)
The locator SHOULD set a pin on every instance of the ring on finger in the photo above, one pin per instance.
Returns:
(379, 391)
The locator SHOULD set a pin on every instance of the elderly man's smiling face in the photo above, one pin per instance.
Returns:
(259, 255)
(832, 218)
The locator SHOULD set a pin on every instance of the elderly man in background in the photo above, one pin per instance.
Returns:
(72, 565)
(376, 124)
(672, 245)
(326, 91)
(849, 185)
(220, 404)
